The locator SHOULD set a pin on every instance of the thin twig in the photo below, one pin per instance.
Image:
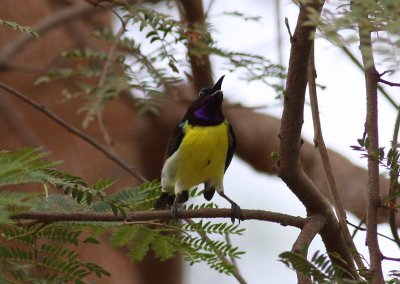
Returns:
(356, 229)
(390, 258)
(41, 226)
(319, 141)
(261, 215)
(288, 29)
(235, 271)
(229, 242)
(359, 228)
(102, 80)
(391, 84)
(135, 173)
(385, 72)
(354, 59)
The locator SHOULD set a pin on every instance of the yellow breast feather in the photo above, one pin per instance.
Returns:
(200, 157)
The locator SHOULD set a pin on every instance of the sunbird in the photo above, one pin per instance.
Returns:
(199, 150)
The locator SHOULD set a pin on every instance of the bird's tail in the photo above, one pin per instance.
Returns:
(208, 192)
(162, 201)
(167, 198)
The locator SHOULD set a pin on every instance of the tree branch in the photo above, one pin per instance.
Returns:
(292, 119)
(289, 167)
(311, 228)
(193, 13)
(320, 143)
(74, 131)
(261, 215)
(371, 125)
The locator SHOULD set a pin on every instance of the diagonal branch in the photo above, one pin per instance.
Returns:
(289, 167)
(320, 143)
(132, 171)
(311, 228)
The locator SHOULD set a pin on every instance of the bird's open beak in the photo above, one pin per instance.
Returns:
(217, 85)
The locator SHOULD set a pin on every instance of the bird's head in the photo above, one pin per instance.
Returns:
(207, 108)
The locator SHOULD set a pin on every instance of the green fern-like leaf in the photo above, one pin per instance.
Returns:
(22, 166)
(63, 234)
(62, 263)
(214, 228)
(17, 27)
(60, 203)
(300, 263)
(165, 248)
(320, 268)
(13, 202)
(140, 244)
(22, 234)
(123, 235)
(132, 198)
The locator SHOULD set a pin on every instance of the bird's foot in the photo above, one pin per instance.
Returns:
(175, 214)
(236, 213)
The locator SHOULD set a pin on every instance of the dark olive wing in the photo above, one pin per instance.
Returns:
(231, 147)
(175, 140)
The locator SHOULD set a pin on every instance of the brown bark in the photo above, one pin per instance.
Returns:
(192, 12)
(289, 165)
(311, 228)
(371, 127)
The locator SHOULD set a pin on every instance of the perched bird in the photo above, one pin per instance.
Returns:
(199, 151)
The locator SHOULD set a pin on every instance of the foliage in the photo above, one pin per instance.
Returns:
(320, 268)
(395, 277)
(389, 161)
(22, 166)
(165, 242)
(22, 252)
(101, 76)
(339, 23)
(47, 252)
(17, 27)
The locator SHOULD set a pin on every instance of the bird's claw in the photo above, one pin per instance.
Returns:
(175, 214)
(236, 213)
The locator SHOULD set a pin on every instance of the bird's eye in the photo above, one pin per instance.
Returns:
(203, 91)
